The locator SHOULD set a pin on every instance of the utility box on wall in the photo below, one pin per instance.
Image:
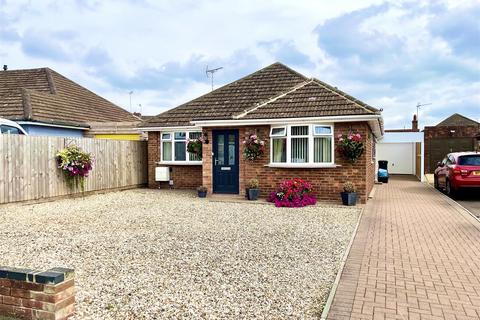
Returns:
(162, 174)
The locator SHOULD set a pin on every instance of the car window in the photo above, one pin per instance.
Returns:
(470, 160)
(9, 130)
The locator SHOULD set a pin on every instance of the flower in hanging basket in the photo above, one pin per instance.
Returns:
(75, 164)
(253, 147)
(194, 146)
(350, 146)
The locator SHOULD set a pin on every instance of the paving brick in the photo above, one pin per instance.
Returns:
(415, 256)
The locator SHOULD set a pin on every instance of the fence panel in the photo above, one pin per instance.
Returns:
(28, 169)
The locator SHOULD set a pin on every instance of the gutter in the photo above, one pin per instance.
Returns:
(230, 122)
(53, 124)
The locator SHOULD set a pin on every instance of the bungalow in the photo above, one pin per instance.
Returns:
(46, 103)
(299, 120)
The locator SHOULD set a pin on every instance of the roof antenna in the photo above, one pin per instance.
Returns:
(211, 71)
(419, 105)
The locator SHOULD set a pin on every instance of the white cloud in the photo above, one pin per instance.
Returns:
(112, 47)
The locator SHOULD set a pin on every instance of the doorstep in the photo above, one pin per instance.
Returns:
(235, 198)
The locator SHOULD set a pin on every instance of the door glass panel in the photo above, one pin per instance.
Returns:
(221, 150)
(231, 149)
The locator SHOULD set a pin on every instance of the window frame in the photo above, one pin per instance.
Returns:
(172, 140)
(311, 135)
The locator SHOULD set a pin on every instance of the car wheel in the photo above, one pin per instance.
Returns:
(435, 182)
(449, 190)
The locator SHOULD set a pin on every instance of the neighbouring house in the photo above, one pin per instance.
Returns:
(299, 118)
(454, 134)
(404, 150)
(46, 103)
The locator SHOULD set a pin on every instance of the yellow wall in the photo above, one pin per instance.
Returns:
(118, 136)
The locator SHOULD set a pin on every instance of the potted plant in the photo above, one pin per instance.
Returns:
(349, 196)
(253, 191)
(202, 191)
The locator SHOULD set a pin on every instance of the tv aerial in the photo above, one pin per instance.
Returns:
(210, 72)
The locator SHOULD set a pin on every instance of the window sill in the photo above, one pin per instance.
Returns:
(302, 165)
(180, 163)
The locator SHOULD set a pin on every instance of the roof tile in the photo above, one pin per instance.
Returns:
(53, 98)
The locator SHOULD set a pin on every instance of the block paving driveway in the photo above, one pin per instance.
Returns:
(416, 255)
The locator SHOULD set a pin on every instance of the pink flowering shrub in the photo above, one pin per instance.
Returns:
(75, 165)
(293, 193)
(253, 147)
(350, 146)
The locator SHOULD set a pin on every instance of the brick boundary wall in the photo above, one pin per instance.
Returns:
(30, 294)
(445, 132)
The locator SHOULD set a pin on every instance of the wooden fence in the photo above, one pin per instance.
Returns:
(28, 169)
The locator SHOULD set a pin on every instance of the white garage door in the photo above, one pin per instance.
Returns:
(400, 157)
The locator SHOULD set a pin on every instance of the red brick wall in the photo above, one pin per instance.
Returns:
(327, 182)
(29, 294)
(183, 176)
(153, 157)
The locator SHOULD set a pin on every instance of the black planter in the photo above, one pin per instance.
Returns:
(253, 193)
(202, 194)
(349, 198)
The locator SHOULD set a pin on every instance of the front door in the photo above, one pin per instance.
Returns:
(225, 161)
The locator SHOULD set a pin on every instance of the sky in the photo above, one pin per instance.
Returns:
(389, 54)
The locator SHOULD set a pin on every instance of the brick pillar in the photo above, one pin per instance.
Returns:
(30, 294)
(153, 157)
(207, 162)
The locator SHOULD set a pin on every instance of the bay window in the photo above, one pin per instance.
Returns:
(302, 144)
(174, 147)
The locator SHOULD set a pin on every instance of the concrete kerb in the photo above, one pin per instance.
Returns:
(331, 296)
(458, 207)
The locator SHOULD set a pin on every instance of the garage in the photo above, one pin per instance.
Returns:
(403, 151)
(400, 157)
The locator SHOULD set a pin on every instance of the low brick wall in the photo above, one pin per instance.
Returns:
(30, 294)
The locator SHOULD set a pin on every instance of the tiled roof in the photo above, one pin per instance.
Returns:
(457, 120)
(313, 99)
(272, 92)
(232, 99)
(46, 96)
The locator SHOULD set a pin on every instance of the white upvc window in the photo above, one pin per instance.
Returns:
(302, 145)
(173, 147)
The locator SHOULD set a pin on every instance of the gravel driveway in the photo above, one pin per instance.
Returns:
(149, 254)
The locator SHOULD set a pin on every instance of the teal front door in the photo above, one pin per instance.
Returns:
(225, 161)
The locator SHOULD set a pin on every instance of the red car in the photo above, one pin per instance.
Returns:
(458, 170)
